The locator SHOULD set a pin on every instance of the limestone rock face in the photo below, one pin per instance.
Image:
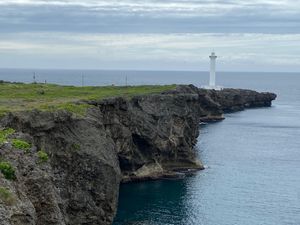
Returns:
(228, 100)
(232, 100)
(153, 130)
(119, 139)
(78, 184)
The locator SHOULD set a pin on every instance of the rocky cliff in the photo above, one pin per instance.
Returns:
(145, 137)
(79, 182)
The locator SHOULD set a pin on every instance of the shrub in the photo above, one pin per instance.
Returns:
(43, 156)
(6, 196)
(19, 144)
(7, 170)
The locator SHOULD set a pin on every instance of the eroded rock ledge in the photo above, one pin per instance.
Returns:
(146, 137)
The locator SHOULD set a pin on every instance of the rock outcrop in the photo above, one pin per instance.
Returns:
(232, 100)
(145, 137)
(154, 134)
(77, 185)
(228, 100)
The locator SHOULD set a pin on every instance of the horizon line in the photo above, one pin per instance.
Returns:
(144, 70)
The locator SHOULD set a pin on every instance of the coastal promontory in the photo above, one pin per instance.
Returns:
(62, 160)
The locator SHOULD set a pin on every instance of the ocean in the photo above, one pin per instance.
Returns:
(252, 157)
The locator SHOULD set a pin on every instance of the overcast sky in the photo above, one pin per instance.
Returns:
(256, 35)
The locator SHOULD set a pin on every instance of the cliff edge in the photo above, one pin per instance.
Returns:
(70, 170)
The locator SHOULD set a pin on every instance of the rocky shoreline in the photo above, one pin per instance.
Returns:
(118, 140)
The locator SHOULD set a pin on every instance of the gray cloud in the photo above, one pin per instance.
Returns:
(150, 34)
(150, 16)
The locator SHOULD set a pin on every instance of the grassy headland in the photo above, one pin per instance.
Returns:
(20, 96)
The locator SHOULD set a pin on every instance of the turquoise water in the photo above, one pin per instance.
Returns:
(252, 157)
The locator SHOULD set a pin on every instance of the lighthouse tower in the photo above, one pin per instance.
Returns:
(212, 74)
(212, 77)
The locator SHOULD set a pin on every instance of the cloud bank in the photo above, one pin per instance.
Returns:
(188, 51)
(151, 16)
(150, 34)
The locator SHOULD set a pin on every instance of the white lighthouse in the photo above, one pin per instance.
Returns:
(212, 74)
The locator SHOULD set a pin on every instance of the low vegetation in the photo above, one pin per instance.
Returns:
(6, 196)
(75, 146)
(7, 170)
(5, 133)
(20, 144)
(19, 96)
(43, 156)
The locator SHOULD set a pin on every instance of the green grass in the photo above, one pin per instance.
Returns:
(20, 144)
(43, 156)
(79, 109)
(6, 196)
(20, 97)
(5, 133)
(7, 170)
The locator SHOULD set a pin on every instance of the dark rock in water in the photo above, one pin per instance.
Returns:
(146, 137)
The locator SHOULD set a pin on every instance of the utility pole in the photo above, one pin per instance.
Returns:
(34, 81)
(126, 81)
(82, 80)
